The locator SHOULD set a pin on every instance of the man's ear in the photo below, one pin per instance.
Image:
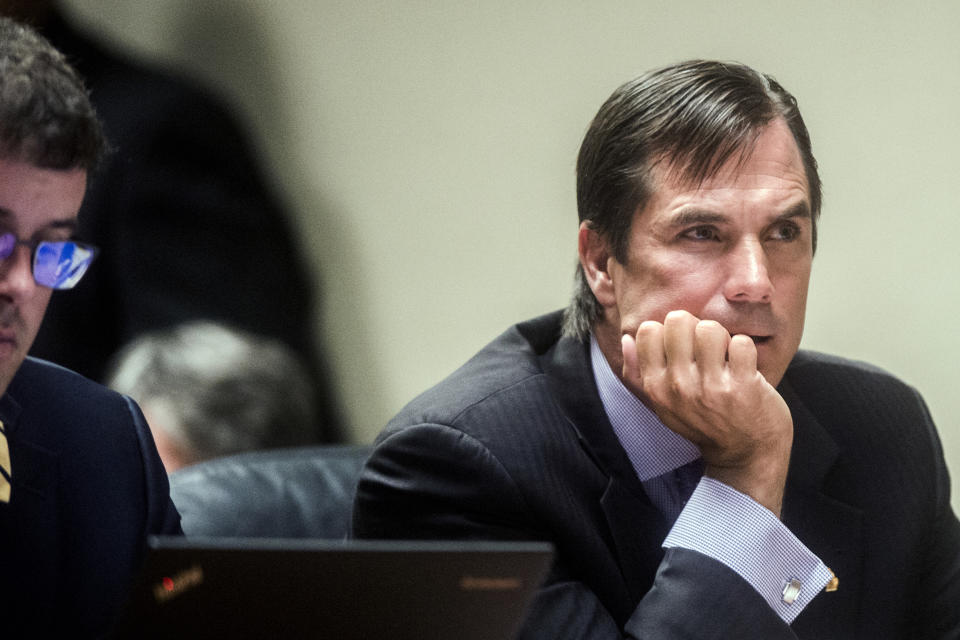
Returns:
(595, 258)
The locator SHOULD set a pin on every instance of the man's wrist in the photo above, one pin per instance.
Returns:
(732, 528)
(763, 482)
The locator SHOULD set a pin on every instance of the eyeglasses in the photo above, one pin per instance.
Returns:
(58, 265)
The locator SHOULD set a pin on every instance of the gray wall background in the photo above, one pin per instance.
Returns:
(427, 149)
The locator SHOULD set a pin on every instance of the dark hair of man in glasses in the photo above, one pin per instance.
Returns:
(693, 116)
(46, 118)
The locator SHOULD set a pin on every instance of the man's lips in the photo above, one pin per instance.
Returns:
(759, 335)
(8, 336)
(761, 327)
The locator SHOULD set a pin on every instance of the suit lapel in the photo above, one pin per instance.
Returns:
(34, 467)
(32, 522)
(829, 528)
(637, 528)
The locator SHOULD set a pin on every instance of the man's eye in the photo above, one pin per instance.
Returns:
(787, 231)
(701, 233)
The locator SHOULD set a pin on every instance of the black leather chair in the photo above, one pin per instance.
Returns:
(304, 492)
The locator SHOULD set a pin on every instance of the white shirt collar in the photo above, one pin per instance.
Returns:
(653, 448)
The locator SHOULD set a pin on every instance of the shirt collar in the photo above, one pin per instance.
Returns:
(653, 448)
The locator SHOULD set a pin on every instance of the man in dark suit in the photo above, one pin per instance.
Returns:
(81, 484)
(698, 475)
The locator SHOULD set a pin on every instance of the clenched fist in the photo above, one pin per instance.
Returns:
(704, 384)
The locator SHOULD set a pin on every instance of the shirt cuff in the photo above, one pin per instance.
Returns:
(729, 526)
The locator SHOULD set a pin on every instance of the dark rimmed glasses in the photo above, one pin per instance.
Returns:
(58, 265)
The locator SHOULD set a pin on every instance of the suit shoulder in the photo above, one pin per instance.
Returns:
(852, 391)
(59, 410)
(53, 385)
(813, 365)
(502, 375)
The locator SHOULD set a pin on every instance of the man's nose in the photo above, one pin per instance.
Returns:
(747, 276)
(16, 274)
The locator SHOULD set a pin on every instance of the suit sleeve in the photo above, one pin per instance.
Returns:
(162, 517)
(431, 481)
(937, 601)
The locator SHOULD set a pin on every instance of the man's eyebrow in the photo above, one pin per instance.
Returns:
(70, 224)
(694, 216)
(799, 210)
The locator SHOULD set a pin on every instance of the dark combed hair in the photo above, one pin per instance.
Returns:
(46, 118)
(692, 117)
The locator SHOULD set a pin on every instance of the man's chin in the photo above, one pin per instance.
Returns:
(10, 361)
(5, 379)
(8, 352)
(773, 374)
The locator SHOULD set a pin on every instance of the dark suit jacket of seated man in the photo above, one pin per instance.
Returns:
(823, 510)
(81, 484)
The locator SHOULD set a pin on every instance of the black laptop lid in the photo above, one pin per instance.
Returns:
(262, 588)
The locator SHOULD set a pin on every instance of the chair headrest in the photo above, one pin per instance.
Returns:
(303, 492)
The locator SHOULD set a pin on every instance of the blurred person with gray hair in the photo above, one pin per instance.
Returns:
(209, 390)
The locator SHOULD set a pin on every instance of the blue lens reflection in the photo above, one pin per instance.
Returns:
(60, 265)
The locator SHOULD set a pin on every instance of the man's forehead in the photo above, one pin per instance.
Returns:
(33, 198)
(772, 152)
(69, 219)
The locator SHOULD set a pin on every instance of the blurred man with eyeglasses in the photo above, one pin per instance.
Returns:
(81, 484)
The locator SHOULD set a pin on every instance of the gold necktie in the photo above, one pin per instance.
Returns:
(5, 471)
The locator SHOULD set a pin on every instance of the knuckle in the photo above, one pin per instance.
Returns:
(677, 384)
(715, 394)
(676, 314)
(680, 317)
(708, 326)
(648, 327)
(659, 390)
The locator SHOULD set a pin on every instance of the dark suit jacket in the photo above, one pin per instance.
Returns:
(186, 224)
(516, 445)
(88, 487)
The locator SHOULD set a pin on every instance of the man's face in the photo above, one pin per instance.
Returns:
(35, 205)
(736, 249)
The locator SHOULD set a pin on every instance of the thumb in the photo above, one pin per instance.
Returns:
(631, 362)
